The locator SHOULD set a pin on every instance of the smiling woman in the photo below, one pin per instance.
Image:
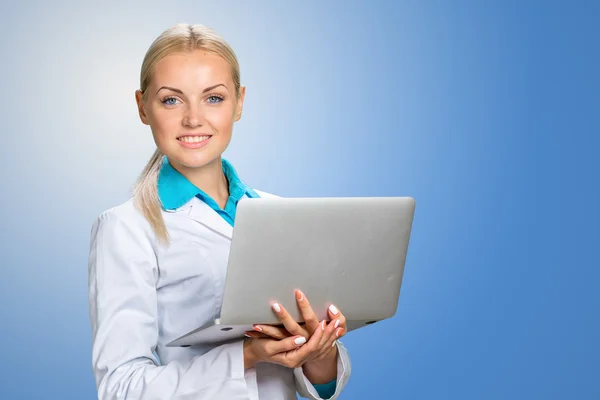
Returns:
(190, 95)
(158, 261)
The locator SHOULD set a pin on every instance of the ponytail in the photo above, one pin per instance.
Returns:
(146, 196)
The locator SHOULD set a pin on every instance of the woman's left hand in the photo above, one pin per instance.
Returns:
(323, 360)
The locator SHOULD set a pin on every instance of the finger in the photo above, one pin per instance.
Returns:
(312, 346)
(307, 312)
(288, 322)
(285, 345)
(274, 332)
(329, 333)
(334, 313)
(331, 341)
(328, 346)
(256, 335)
(296, 357)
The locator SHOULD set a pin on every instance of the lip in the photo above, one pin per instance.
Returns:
(195, 145)
(194, 134)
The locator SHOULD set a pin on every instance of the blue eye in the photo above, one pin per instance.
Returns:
(215, 99)
(169, 101)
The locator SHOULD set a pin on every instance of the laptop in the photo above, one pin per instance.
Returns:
(347, 251)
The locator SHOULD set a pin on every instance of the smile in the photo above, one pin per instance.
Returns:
(193, 139)
(194, 142)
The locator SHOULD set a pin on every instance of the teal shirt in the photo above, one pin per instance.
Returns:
(174, 190)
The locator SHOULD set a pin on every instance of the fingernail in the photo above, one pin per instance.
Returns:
(323, 325)
(333, 309)
(334, 342)
(337, 323)
(245, 334)
(299, 295)
(257, 328)
(276, 307)
(300, 340)
(338, 332)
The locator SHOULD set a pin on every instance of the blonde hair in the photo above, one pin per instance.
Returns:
(179, 38)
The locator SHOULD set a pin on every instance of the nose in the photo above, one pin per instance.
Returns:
(193, 115)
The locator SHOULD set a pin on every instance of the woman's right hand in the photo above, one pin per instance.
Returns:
(290, 352)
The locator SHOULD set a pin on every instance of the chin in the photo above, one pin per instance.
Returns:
(196, 159)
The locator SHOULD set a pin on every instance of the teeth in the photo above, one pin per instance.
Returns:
(193, 139)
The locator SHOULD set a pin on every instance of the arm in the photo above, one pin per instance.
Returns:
(123, 313)
(306, 389)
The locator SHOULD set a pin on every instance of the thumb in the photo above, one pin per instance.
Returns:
(287, 344)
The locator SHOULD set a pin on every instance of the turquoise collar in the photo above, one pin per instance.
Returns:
(175, 190)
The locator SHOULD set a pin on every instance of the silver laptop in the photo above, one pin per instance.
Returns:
(349, 252)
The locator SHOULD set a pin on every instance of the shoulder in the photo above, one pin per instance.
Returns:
(126, 212)
(123, 248)
(122, 219)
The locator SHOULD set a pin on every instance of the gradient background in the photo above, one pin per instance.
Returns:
(486, 112)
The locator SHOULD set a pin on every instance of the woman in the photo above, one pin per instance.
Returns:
(157, 262)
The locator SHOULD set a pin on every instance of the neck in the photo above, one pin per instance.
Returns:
(208, 178)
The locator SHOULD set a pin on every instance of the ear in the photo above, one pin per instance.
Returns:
(240, 103)
(140, 105)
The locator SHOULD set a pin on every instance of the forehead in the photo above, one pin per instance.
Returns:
(197, 68)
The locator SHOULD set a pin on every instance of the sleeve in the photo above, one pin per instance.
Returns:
(344, 368)
(123, 313)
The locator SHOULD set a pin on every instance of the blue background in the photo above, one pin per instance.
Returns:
(487, 112)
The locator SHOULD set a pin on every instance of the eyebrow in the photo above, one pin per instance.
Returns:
(204, 91)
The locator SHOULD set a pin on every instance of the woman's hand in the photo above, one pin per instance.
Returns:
(292, 352)
(318, 356)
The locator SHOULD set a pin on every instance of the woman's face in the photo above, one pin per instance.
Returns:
(191, 106)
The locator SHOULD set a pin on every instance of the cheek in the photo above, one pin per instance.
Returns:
(163, 123)
(221, 119)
